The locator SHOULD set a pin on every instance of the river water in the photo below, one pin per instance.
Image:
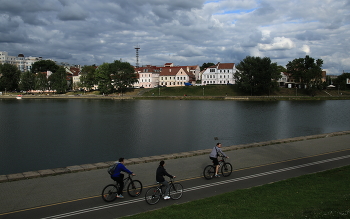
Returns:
(38, 134)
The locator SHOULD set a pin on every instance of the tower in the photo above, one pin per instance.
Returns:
(137, 56)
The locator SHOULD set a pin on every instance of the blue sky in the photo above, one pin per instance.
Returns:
(183, 32)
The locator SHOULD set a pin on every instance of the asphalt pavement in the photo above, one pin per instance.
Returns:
(20, 195)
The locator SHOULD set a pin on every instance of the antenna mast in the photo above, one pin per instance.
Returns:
(137, 56)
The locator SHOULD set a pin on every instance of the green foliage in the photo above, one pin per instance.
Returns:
(41, 82)
(27, 81)
(88, 78)
(117, 75)
(123, 74)
(257, 75)
(306, 72)
(206, 65)
(9, 77)
(44, 65)
(281, 68)
(58, 80)
(341, 80)
(103, 77)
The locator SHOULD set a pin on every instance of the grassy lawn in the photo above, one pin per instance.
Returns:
(321, 195)
(229, 90)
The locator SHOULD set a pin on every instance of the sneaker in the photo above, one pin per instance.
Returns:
(166, 197)
(217, 175)
(120, 196)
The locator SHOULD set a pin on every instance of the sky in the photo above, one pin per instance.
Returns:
(183, 32)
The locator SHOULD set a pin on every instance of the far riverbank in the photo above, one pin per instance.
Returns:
(136, 97)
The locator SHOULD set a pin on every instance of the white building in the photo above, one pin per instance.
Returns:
(221, 73)
(23, 63)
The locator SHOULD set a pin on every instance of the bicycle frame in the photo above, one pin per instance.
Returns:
(160, 185)
(154, 194)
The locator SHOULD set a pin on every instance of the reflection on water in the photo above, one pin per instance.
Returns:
(43, 134)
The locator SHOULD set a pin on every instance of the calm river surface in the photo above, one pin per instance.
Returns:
(38, 134)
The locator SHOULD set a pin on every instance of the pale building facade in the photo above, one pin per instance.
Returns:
(148, 76)
(175, 76)
(221, 73)
(23, 63)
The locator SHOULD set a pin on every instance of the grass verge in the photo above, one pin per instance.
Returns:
(320, 195)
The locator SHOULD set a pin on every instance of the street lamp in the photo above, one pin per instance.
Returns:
(158, 90)
(203, 91)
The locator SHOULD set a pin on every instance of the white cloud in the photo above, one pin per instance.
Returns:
(279, 43)
(306, 49)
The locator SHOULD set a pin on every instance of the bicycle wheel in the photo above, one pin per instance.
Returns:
(109, 193)
(135, 188)
(153, 195)
(209, 172)
(175, 191)
(226, 169)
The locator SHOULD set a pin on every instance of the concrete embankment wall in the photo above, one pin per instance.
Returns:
(88, 167)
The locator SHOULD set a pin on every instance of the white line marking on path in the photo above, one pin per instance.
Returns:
(197, 187)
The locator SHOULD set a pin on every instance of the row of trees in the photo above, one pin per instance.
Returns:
(109, 77)
(259, 75)
(14, 80)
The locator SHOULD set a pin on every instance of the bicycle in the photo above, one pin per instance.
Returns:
(226, 169)
(154, 193)
(134, 189)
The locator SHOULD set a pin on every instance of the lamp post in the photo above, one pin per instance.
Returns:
(203, 91)
(158, 91)
(296, 90)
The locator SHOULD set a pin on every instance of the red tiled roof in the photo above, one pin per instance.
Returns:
(170, 71)
(75, 71)
(225, 65)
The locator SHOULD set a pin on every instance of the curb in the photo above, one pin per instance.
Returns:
(102, 165)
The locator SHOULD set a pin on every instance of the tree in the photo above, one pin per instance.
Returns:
(257, 75)
(104, 80)
(206, 65)
(9, 77)
(341, 81)
(44, 66)
(307, 72)
(87, 78)
(41, 82)
(123, 74)
(58, 80)
(281, 68)
(27, 81)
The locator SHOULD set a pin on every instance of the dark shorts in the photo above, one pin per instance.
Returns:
(215, 160)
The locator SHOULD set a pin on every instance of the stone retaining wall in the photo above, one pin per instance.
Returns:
(87, 167)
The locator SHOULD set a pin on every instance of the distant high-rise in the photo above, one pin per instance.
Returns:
(137, 56)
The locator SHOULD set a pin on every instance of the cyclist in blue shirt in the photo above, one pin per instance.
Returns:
(214, 157)
(119, 177)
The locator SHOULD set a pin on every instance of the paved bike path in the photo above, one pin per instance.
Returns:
(25, 194)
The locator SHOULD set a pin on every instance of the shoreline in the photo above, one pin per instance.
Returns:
(136, 97)
(131, 161)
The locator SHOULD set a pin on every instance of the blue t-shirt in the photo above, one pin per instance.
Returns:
(120, 167)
